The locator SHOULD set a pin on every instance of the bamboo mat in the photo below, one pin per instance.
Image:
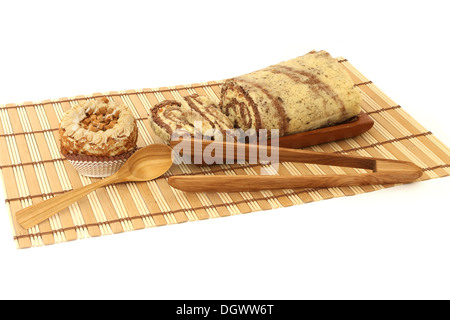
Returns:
(33, 169)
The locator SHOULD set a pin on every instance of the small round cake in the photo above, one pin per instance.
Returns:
(98, 136)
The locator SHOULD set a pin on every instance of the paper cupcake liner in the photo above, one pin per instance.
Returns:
(98, 167)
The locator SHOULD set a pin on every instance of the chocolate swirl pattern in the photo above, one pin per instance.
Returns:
(166, 117)
(302, 94)
(201, 108)
(196, 114)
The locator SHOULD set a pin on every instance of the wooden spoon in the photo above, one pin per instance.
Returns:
(145, 164)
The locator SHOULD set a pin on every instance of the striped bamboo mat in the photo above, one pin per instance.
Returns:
(33, 170)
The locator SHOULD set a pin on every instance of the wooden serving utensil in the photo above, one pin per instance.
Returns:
(145, 164)
(384, 171)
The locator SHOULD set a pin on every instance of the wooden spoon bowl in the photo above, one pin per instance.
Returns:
(147, 163)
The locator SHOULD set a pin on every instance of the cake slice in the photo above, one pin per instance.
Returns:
(202, 109)
(166, 117)
(195, 114)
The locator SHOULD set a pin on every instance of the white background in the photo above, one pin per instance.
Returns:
(391, 244)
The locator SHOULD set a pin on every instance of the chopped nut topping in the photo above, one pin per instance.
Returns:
(110, 125)
(102, 110)
(103, 119)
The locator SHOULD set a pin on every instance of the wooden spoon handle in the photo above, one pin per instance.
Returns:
(34, 214)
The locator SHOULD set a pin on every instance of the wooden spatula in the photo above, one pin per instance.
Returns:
(384, 171)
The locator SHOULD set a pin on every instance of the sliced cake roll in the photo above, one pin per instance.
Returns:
(166, 117)
(297, 95)
(202, 109)
(195, 114)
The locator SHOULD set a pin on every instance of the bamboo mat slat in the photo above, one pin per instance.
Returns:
(33, 170)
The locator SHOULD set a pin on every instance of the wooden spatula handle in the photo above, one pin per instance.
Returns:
(39, 212)
(252, 153)
(255, 183)
(386, 171)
